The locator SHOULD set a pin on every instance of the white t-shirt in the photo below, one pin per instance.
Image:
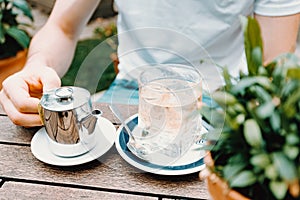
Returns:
(203, 33)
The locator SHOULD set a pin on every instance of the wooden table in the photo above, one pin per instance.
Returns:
(22, 176)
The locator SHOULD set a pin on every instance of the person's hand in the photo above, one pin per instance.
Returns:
(22, 91)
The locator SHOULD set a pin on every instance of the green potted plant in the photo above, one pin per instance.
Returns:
(254, 148)
(14, 39)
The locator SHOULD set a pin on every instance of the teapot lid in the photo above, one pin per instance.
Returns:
(65, 98)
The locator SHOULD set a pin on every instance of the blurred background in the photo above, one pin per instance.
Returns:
(102, 25)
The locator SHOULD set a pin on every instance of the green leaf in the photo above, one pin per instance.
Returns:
(289, 87)
(23, 6)
(262, 93)
(249, 81)
(19, 35)
(262, 71)
(278, 189)
(291, 151)
(243, 179)
(215, 117)
(293, 73)
(231, 170)
(2, 37)
(292, 139)
(254, 33)
(237, 157)
(253, 40)
(252, 133)
(224, 98)
(240, 119)
(260, 160)
(227, 78)
(239, 108)
(265, 110)
(289, 104)
(257, 56)
(275, 121)
(271, 172)
(232, 122)
(285, 166)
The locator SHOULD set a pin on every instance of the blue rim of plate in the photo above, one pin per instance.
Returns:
(121, 144)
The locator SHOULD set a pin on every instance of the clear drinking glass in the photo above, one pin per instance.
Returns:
(168, 119)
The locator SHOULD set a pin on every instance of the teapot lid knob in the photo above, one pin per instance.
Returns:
(64, 93)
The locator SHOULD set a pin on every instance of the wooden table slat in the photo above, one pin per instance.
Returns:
(17, 190)
(109, 171)
(11, 133)
(125, 110)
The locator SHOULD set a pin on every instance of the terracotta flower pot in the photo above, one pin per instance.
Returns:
(217, 187)
(12, 65)
(219, 190)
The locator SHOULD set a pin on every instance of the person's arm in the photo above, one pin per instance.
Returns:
(55, 43)
(279, 34)
(50, 54)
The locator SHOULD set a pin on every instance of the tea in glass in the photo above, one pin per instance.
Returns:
(168, 120)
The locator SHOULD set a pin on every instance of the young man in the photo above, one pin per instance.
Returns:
(149, 32)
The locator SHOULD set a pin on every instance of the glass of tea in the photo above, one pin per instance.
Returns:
(169, 120)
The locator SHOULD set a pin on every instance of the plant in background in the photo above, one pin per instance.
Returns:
(13, 36)
(108, 34)
(106, 31)
(107, 60)
(257, 148)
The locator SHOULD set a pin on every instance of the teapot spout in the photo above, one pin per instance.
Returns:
(89, 122)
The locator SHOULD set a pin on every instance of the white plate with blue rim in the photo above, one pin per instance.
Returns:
(191, 162)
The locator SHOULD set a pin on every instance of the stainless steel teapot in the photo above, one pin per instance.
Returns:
(69, 120)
